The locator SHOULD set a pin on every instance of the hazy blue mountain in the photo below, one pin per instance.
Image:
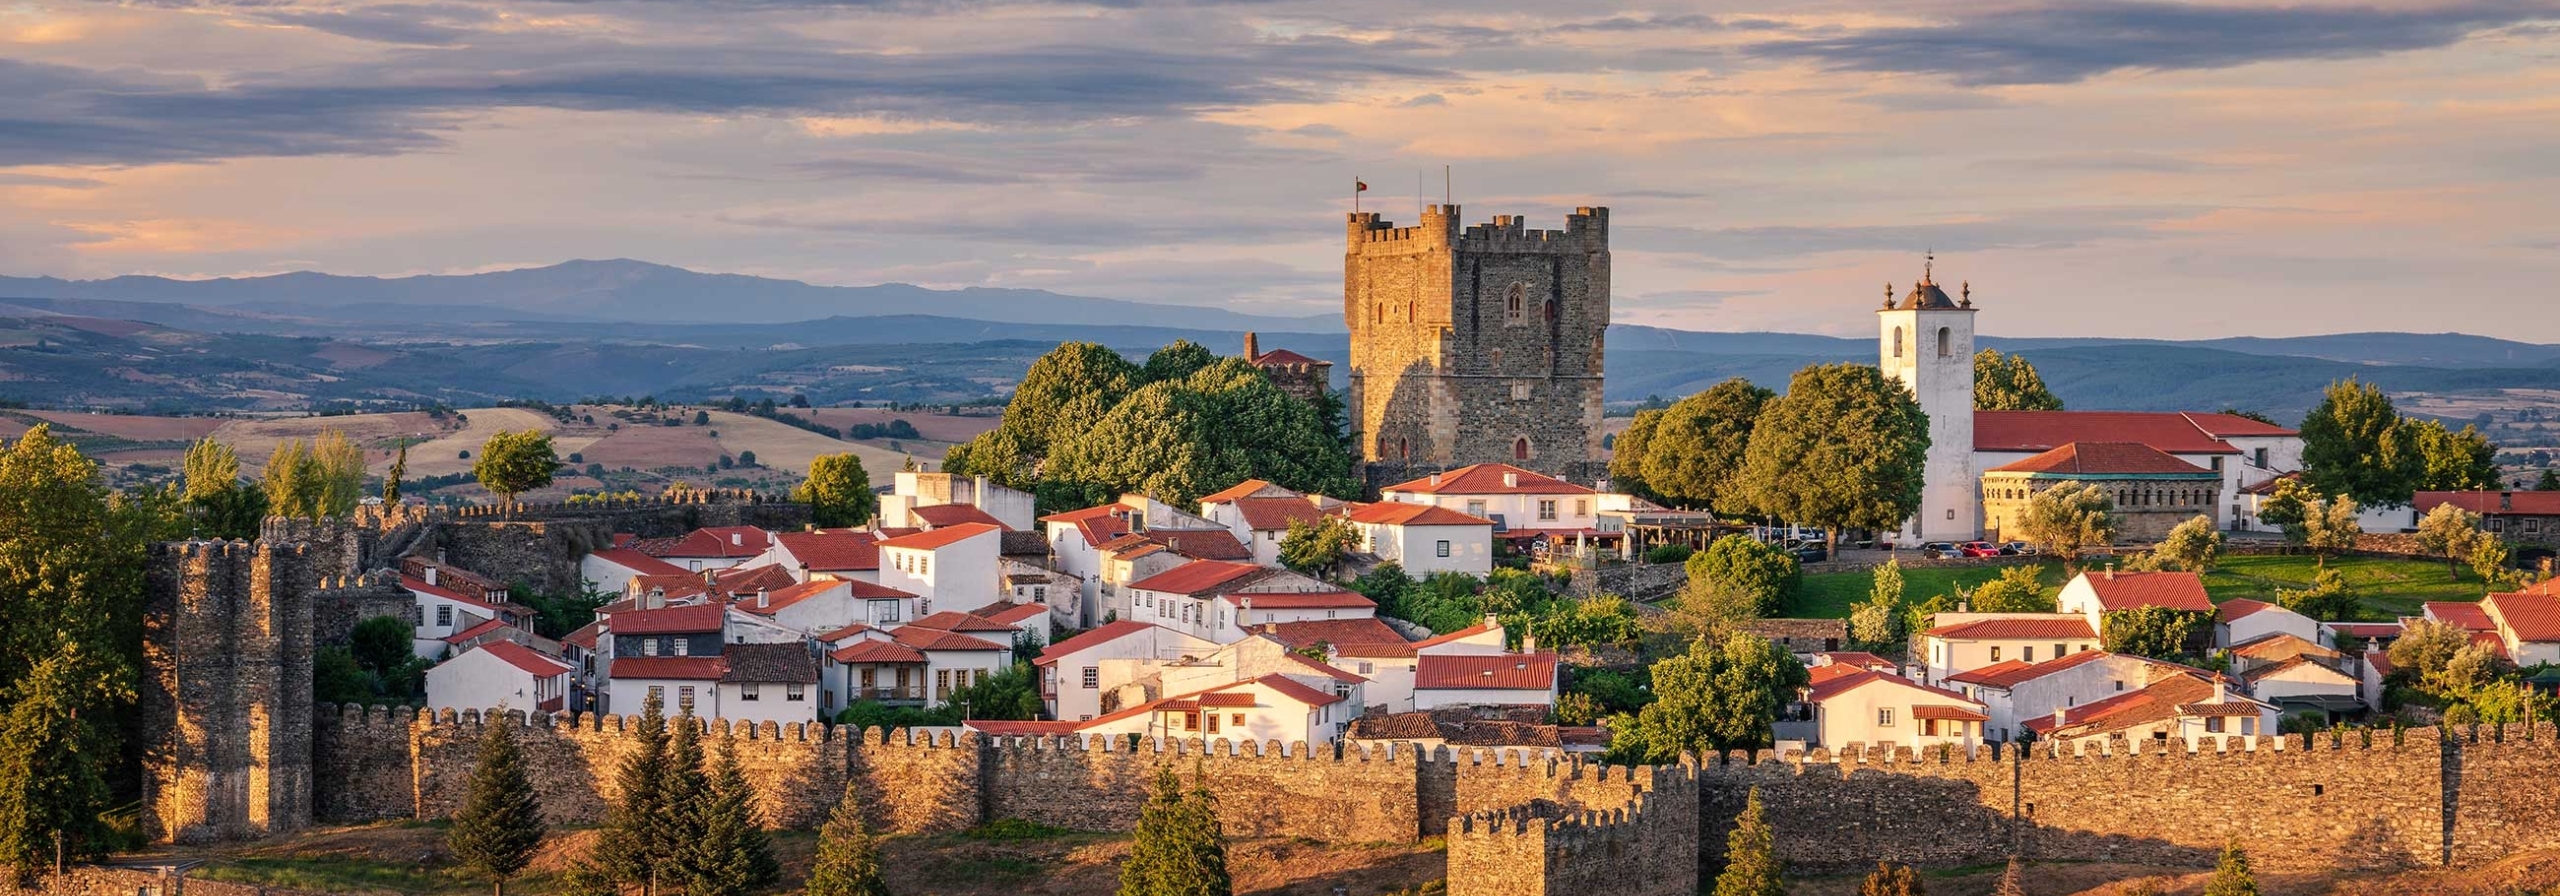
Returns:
(625, 290)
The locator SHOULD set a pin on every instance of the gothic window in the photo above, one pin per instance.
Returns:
(1511, 303)
(1520, 448)
(1897, 342)
(1946, 342)
(1551, 311)
(1404, 449)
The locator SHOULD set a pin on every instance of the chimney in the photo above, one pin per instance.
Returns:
(655, 599)
(2221, 690)
(1510, 480)
(1435, 479)
(2057, 719)
(2506, 500)
(764, 600)
(431, 575)
(737, 539)
(1252, 347)
(2111, 570)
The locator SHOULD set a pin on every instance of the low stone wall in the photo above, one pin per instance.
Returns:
(91, 880)
(1634, 581)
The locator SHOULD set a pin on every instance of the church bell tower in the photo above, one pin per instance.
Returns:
(1925, 342)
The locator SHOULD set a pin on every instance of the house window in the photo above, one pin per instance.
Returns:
(1581, 507)
(658, 693)
(1211, 721)
(2533, 525)
(1365, 667)
(941, 683)
(1547, 510)
(2494, 524)
(1511, 303)
(1236, 719)
(444, 615)
(1884, 717)
(2261, 456)
(684, 700)
(924, 566)
(684, 646)
(2213, 724)
(2027, 654)
(748, 691)
(2057, 651)
(1039, 594)
(648, 647)
(1475, 509)
(795, 693)
(1995, 654)
(1520, 448)
(1443, 547)
(1929, 727)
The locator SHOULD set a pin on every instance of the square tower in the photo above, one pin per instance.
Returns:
(1480, 344)
(1925, 342)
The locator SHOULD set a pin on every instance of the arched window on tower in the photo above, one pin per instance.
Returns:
(1946, 342)
(1404, 449)
(1520, 448)
(1897, 342)
(1511, 303)
(1551, 311)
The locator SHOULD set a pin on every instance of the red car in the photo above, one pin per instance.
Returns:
(1980, 549)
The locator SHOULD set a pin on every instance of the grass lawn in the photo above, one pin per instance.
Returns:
(2391, 587)
(1830, 595)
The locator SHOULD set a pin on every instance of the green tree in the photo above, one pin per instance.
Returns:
(2287, 505)
(222, 505)
(1177, 360)
(838, 491)
(683, 791)
(2068, 518)
(730, 852)
(2156, 632)
(2353, 444)
(1698, 444)
(2328, 599)
(1062, 394)
(848, 862)
(291, 480)
(2550, 481)
(2019, 589)
(2190, 547)
(2489, 560)
(2231, 876)
(2425, 649)
(2009, 384)
(1720, 695)
(391, 478)
(1177, 849)
(1178, 440)
(1918, 614)
(383, 644)
(2450, 532)
(1627, 455)
(339, 472)
(512, 463)
(1892, 880)
(1741, 573)
(337, 678)
(2328, 528)
(1844, 448)
(628, 850)
(2452, 460)
(1751, 865)
(499, 826)
(702, 418)
(57, 749)
(1318, 545)
(1877, 621)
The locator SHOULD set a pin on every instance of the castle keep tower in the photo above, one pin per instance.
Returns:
(1925, 342)
(1476, 345)
(226, 698)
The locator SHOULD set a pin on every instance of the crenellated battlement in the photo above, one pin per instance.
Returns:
(677, 498)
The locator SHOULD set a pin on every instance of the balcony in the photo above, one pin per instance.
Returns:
(911, 695)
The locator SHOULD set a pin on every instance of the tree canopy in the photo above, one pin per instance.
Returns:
(1315, 546)
(2353, 444)
(2452, 460)
(1627, 454)
(838, 491)
(221, 505)
(1180, 439)
(2068, 518)
(1744, 577)
(2450, 532)
(512, 463)
(1177, 360)
(1697, 445)
(2009, 384)
(1844, 448)
(1064, 392)
(317, 479)
(2156, 632)
(1722, 694)
(2191, 547)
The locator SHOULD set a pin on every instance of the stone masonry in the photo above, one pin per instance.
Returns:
(1476, 344)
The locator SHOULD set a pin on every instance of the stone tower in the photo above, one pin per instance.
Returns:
(1303, 378)
(226, 699)
(1476, 344)
(1925, 342)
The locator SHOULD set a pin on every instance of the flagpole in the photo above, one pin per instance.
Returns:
(1355, 194)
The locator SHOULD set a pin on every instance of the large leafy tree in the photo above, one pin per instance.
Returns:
(1876, 622)
(2157, 632)
(2018, 590)
(317, 479)
(500, 823)
(2353, 444)
(2191, 546)
(2452, 460)
(1627, 454)
(1316, 546)
(220, 503)
(848, 861)
(1845, 447)
(838, 491)
(2009, 384)
(2068, 518)
(1062, 394)
(1722, 694)
(512, 463)
(2450, 532)
(1747, 578)
(1177, 360)
(1178, 440)
(57, 749)
(1751, 865)
(2328, 528)
(2329, 599)
(1698, 444)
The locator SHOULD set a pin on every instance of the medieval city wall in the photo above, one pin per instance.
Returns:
(1263, 789)
(1637, 835)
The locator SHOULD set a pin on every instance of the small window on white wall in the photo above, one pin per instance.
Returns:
(1897, 342)
(1444, 548)
(1946, 342)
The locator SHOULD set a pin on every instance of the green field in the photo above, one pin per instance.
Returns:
(2390, 587)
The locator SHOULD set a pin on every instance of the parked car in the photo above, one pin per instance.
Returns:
(1980, 549)
(1811, 552)
(1939, 550)
(2018, 549)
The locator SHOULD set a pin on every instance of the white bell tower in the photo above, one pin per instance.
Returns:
(1925, 342)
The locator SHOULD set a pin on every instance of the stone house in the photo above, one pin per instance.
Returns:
(1425, 538)
(1802, 637)
(1848, 705)
(2240, 451)
(1071, 670)
(2153, 491)
(768, 683)
(952, 566)
(500, 674)
(1963, 642)
(1303, 378)
(2528, 520)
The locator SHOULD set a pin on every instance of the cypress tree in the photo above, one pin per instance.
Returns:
(848, 857)
(500, 824)
(682, 792)
(628, 849)
(391, 479)
(1154, 851)
(732, 853)
(2231, 877)
(1751, 855)
(1201, 865)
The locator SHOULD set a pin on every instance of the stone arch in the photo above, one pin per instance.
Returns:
(1520, 448)
(1897, 342)
(1946, 342)
(1513, 301)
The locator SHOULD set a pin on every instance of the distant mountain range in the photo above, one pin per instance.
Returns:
(626, 327)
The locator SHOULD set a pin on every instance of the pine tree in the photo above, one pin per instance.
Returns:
(1203, 867)
(848, 857)
(2013, 882)
(627, 850)
(2231, 876)
(500, 824)
(391, 479)
(732, 853)
(1751, 855)
(682, 792)
(1180, 849)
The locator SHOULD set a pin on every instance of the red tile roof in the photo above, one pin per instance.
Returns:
(1282, 356)
(2014, 629)
(1327, 670)
(1834, 687)
(1096, 524)
(776, 601)
(680, 585)
(2127, 590)
(1858, 658)
(710, 543)
(1488, 479)
(688, 668)
(2104, 459)
(2496, 643)
(940, 538)
(1225, 700)
(419, 585)
(2365, 629)
(585, 636)
(2529, 617)
(1468, 632)
(941, 515)
(735, 581)
(474, 631)
(2240, 608)
(937, 639)
(2035, 431)
(2232, 426)
(1947, 713)
(1233, 492)
(1200, 577)
(1300, 600)
(525, 658)
(669, 620)
(2011, 673)
(1095, 637)
(2462, 614)
(846, 632)
(1029, 728)
(2187, 694)
(956, 621)
(2488, 503)
(637, 562)
(1289, 688)
(1268, 514)
(1363, 637)
(1501, 672)
(1398, 513)
(833, 552)
(1820, 674)
(877, 651)
(1011, 614)
(1999, 675)
(2280, 646)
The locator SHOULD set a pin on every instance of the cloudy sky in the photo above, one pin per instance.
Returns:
(2092, 166)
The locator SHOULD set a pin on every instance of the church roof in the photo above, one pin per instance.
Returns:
(2104, 459)
(1926, 296)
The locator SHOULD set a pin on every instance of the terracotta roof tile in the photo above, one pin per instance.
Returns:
(956, 621)
(1273, 514)
(1489, 479)
(941, 538)
(685, 668)
(1235, 491)
(1285, 357)
(937, 639)
(1202, 544)
(1200, 577)
(669, 620)
(526, 658)
(777, 601)
(475, 631)
(420, 585)
(2529, 617)
(637, 562)
(2466, 615)
(940, 515)
(1461, 634)
(1501, 672)
(1398, 513)
(2014, 629)
(2528, 503)
(877, 651)
(1095, 637)
(2104, 459)
(2127, 590)
(1364, 637)
(2036, 431)
(1300, 600)
(1013, 615)
(2240, 608)
(833, 552)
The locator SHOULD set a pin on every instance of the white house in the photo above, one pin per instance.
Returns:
(2191, 708)
(2528, 623)
(1850, 705)
(2092, 595)
(442, 613)
(1132, 681)
(1365, 647)
(2303, 684)
(718, 547)
(612, 569)
(1425, 538)
(1071, 670)
(2013, 691)
(501, 675)
(955, 564)
(2241, 621)
(913, 497)
(907, 665)
(1075, 538)
(1219, 600)
(1520, 503)
(833, 554)
(1477, 679)
(1963, 642)
(768, 683)
(1260, 513)
(1031, 622)
(1272, 707)
(822, 604)
(681, 684)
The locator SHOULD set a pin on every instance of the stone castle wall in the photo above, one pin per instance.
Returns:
(226, 699)
(1638, 836)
